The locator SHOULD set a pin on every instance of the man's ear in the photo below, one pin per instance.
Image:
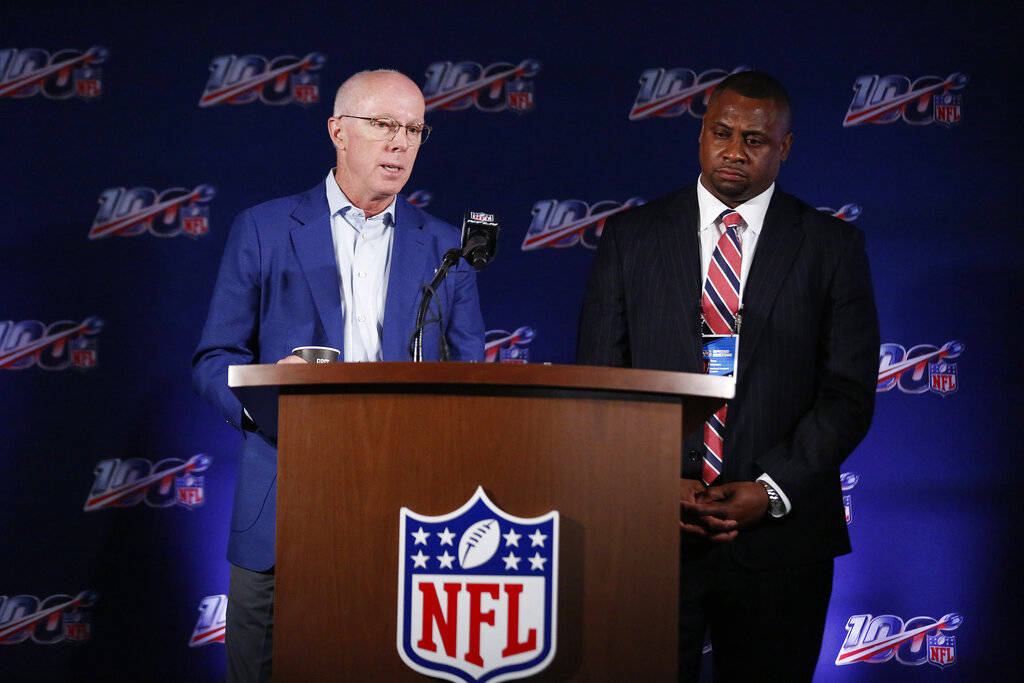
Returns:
(336, 132)
(787, 142)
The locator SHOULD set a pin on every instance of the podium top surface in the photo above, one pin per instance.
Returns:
(578, 377)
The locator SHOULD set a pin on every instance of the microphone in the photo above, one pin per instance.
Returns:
(479, 238)
(479, 244)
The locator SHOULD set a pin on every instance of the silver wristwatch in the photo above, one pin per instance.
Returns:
(776, 508)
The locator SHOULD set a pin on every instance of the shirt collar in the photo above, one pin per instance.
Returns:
(752, 210)
(338, 202)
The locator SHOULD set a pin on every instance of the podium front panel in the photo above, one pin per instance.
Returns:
(349, 460)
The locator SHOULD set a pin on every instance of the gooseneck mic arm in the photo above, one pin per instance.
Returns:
(479, 243)
(451, 257)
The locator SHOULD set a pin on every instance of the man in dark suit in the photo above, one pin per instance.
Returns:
(761, 507)
(341, 265)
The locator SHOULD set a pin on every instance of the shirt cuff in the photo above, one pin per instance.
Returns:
(782, 494)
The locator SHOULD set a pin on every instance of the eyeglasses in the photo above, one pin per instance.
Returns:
(386, 128)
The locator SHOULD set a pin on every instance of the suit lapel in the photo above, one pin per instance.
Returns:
(410, 269)
(678, 244)
(777, 247)
(314, 247)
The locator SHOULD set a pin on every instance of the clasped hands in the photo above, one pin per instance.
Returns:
(719, 513)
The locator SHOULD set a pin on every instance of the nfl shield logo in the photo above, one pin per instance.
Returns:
(83, 352)
(195, 219)
(941, 650)
(477, 592)
(304, 88)
(942, 377)
(948, 108)
(190, 490)
(520, 94)
(87, 82)
(76, 628)
(513, 354)
(848, 507)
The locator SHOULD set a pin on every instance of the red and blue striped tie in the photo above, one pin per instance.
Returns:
(719, 303)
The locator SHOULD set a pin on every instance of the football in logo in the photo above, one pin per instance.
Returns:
(479, 543)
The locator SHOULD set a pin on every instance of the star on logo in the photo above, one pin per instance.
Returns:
(421, 537)
(512, 538)
(420, 560)
(537, 538)
(445, 560)
(537, 562)
(511, 561)
(446, 537)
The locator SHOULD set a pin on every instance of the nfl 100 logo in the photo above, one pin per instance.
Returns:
(477, 592)
(57, 346)
(566, 223)
(916, 641)
(895, 97)
(47, 621)
(666, 92)
(502, 346)
(57, 76)
(127, 212)
(920, 369)
(496, 87)
(243, 79)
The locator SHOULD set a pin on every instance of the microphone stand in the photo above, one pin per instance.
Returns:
(451, 257)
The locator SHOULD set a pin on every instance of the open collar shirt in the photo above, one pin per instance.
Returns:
(362, 248)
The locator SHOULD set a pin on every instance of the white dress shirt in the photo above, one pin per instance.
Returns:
(362, 248)
(752, 211)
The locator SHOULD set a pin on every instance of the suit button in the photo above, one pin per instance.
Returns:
(692, 455)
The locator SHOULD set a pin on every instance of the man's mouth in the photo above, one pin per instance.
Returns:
(731, 174)
(391, 168)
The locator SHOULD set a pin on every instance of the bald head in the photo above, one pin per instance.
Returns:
(353, 92)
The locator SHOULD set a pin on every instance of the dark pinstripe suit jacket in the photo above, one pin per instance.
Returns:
(808, 352)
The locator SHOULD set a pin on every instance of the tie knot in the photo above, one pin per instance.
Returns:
(731, 219)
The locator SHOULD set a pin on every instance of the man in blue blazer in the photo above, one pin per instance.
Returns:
(341, 265)
(762, 523)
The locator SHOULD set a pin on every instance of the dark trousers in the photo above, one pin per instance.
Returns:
(764, 625)
(249, 634)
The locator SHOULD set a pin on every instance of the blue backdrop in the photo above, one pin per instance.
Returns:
(130, 138)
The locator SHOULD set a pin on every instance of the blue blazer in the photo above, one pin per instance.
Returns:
(278, 288)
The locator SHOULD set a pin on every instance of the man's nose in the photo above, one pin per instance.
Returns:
(735, 150)
(400, 141)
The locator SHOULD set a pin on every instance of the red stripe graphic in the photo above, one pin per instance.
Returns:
(213, 636)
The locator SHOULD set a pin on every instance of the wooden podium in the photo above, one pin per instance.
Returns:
(357, 442)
